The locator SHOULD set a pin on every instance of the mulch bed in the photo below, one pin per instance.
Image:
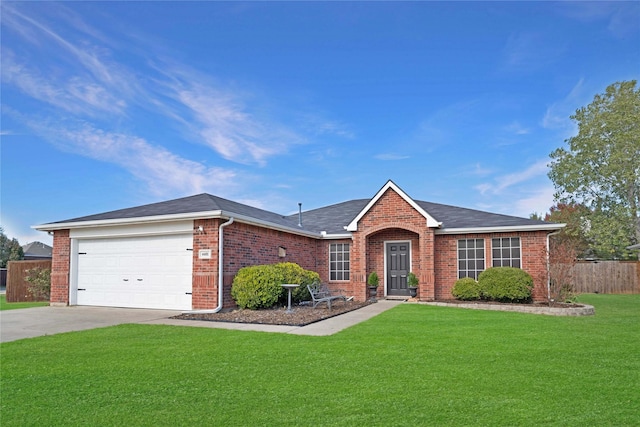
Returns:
(301, 315)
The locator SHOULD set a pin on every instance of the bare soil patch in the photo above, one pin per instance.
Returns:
(301, 315)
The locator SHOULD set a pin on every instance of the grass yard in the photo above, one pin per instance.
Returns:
(4, 305)
(412, 365)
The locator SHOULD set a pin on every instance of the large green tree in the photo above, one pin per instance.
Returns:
(600, 169)
(10, 250)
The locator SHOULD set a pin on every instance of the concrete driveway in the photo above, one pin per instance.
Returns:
(39, 321)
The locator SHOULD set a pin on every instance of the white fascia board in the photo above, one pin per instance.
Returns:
(172, 217)
(337, 236)
(431, 222)
(506, 229)
(127, 221)
(266, 224)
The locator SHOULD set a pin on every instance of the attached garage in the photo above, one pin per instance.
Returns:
(136, 272)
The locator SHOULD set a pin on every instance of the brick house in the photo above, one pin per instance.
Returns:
(174, 254)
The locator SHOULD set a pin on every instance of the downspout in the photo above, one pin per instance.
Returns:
(221, 264)
(549, 265)
(220, 270)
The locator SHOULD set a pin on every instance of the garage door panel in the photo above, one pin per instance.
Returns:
(142, 272)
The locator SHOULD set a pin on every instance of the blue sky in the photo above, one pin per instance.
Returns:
(107, 105)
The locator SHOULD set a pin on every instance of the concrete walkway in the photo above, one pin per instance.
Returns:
(40, 321)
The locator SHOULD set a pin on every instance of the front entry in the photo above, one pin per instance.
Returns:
(398, 255)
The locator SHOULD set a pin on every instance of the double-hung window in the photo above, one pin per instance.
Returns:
(505, 252)
(470, 258)
(339, 261)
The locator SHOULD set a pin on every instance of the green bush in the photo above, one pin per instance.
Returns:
(39, 283)
(293, 273)
(259, 286)
(466, 289)
(506, 284)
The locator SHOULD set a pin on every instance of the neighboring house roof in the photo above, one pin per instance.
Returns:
(329, 221)
(37, 249)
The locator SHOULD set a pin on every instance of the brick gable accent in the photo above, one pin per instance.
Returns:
(392, 218)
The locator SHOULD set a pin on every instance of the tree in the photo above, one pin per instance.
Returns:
(572, 236)
(10, 250)
(600, 169)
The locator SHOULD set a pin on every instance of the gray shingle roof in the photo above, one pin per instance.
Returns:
(333, 219)
(186, 205)
(37, 249)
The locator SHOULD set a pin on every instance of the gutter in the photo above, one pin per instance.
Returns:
(220, 270)
(549, 265)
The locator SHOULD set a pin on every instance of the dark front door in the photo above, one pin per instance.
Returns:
(397, 268)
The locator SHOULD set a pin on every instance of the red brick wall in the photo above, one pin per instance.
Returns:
(60, 267)
(244, 245)
(391, 218)
(533, 245)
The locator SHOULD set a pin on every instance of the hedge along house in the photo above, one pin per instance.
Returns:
(175, 254)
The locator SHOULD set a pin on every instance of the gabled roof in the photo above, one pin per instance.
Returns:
(193, 207)
(332, 221)
(431, 222)
(37, 249)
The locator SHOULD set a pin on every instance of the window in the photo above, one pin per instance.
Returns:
(505, 252)
(339, 261)
(470, 258)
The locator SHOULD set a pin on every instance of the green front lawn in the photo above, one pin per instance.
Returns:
(412, 365)
(4, 305)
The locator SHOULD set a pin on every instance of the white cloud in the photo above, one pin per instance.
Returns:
(557, 115)
(165, 174)
(227, 128)
(527, 51)
(391, 156)
(75, 95)
(539, 201)
(621, 17)
(517, 129)
(504, 182)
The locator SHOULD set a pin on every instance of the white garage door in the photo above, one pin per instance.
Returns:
(137, 272)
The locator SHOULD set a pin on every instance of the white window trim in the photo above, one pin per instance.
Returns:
(519, 247)
(329, 263)
(484, 246)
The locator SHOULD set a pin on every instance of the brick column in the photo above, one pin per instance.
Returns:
(359, 266)
(426, 290)
(60, 265)
(205, 271)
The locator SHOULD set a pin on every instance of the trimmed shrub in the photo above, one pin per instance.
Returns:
(466, 289)
(506, 284)
(293, 273)
(259, 286)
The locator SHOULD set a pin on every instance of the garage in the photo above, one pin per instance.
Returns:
(135, 272)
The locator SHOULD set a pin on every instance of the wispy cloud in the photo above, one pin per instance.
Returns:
(164, 173)
(224, 125)
(504, 182)
(557, 115)
(85, 82)
(75, 95)
(515, 128)
(621, 17)
(391, 156)
(527, 51)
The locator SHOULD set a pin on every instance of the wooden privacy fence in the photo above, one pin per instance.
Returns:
(607, 277)
(17, 286)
